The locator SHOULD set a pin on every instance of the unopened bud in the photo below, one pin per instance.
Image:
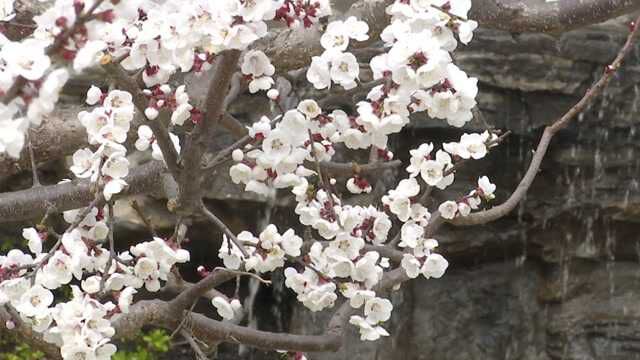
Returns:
(151, 113)
(273, 94)
(237, 155)
(202, 271)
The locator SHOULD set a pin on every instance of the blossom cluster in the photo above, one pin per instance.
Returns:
(157, 38)
(283, 149)
(339, 255)
(335, 64)
(265, 253)
(26, 60)
(29, 78)
(107, 126)
(416, 76)
(81, 326)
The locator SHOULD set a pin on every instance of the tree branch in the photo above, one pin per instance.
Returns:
(195, 146)
(194, 291)
(34, 202)
(292, 49)
(177, 285)
(503, 209)
(547, 16)
(160, 313)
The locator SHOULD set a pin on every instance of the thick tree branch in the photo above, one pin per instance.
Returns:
(34, 202)
(59, 134)
(196, 142)
(193, 292)
(160, 313)
(503, 209)
(292, 49)
(163, 314)
(177, 285)
(547, 16)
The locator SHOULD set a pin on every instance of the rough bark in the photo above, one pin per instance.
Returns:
(33, 203)
(544, 16)
(59, 134)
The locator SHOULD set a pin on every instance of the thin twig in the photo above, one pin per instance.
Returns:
(225, 229)
(32, 157)
(136, 207)
(200, 355)
(245, 273)
(184, 320)
(112, 251)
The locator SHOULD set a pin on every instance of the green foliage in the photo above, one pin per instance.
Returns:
(157, 340)
(9, 243)
(21, 351)
(146, 347)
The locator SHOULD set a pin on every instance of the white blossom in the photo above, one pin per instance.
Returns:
(368, 331)
(377, 310)
(34, 240)
(486, 187)
(35, 302)
(125, 299)
(448, 209)
(94, 94)
(228, 310)
(434, 266)
(26, 58)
